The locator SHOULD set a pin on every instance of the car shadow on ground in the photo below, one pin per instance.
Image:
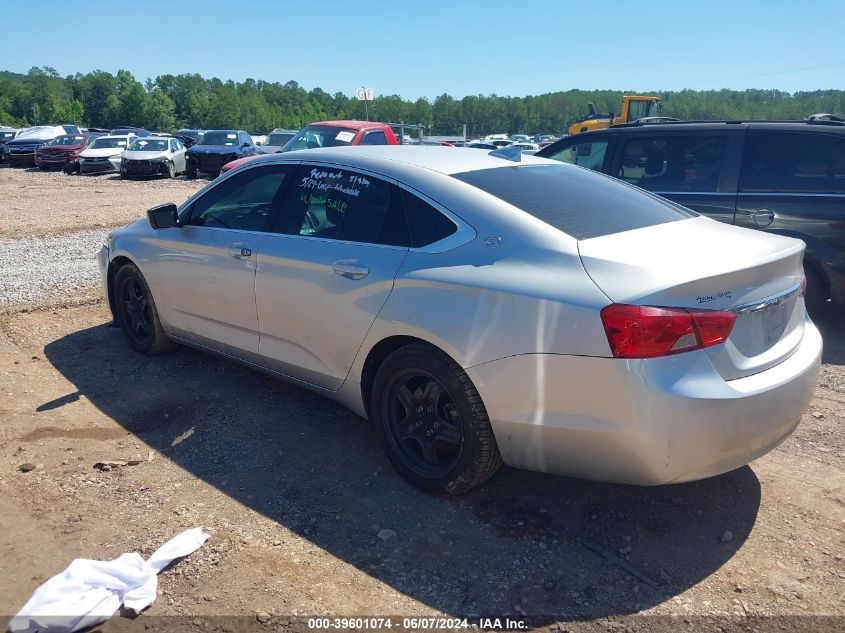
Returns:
(525, 543)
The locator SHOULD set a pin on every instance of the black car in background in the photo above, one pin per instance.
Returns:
(785, 177)
(5, 135)
(217, 148)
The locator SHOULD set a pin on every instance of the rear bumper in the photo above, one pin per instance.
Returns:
(644, 422)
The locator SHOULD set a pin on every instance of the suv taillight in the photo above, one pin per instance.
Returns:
(648, 332)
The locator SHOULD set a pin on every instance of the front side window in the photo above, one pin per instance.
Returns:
(641, 109)
(589, 154)
(673, 163)
(333, 203)
(374, 138)
(242, 202)
(793, 162)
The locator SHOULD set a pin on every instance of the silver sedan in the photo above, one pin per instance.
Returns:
(483, 308)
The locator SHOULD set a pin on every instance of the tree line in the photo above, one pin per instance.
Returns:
(168, 102)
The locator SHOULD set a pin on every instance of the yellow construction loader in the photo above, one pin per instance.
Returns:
(633, 108)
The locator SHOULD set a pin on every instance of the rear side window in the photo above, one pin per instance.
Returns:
(589, 154)
(673, 163)
(793, 162)
(425, 223)
(337, 204)
(578, 202)
(374, 138)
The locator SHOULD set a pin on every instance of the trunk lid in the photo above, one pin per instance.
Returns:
(703, 264)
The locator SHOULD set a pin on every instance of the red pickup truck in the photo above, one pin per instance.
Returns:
(333, 134)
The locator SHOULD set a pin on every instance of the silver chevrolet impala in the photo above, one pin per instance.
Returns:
(484, 308)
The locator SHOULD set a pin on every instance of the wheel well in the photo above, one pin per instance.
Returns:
(376, 357)
(114, 266)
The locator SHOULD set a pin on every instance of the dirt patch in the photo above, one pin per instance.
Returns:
(307, 517)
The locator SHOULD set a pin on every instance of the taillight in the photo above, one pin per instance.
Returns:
(647, 331)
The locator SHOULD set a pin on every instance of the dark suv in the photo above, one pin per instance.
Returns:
(785, 177)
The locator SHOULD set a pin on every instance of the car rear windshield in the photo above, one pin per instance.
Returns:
(576, 201)
(315, 136)
(220, 138)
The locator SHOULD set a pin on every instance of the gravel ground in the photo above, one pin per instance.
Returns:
(52, 226)
(33, 202)
(306, 515)
(50, 269)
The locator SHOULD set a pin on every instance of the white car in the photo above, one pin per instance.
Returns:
(103, 155)
(153, 156)
(480, 309)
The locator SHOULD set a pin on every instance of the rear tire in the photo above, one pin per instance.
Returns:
(136, 313)
(432, 422)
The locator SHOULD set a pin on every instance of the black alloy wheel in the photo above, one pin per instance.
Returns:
(424, 423)
(431, 420)
(136, 313)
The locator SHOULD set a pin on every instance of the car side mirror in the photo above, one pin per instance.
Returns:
(245, 145)
(163, 216)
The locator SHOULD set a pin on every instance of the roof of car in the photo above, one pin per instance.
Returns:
(360, 125)
(445, 160)
(748, 123)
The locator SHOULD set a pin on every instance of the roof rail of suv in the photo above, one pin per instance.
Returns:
(812, 120)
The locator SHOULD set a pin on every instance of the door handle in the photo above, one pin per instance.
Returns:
(240, 250)
(350, 268)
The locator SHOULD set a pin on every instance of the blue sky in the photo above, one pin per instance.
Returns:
(426, 48)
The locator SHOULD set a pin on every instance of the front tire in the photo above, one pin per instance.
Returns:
(136, 313)
(170, 170)
(190, 172)
(432, 422)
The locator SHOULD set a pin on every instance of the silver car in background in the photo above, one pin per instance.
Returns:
(484, 307)
(153, 156)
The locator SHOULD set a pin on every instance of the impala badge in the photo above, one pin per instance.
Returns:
(722, 294)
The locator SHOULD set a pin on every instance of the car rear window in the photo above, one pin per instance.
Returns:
(577, 201)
